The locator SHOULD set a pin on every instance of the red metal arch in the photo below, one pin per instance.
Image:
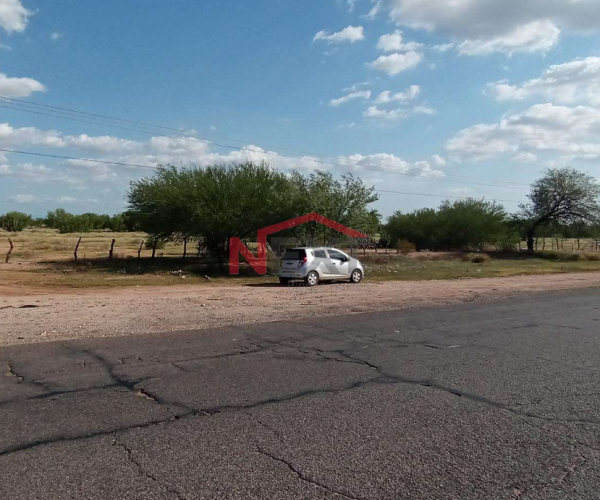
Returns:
(259, 263)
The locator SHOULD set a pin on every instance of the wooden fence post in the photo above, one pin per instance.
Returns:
(154, 244)
(10, 251)
(140, 250)
(112, 247)
(544, 243)
(77, 248)
(184, 247)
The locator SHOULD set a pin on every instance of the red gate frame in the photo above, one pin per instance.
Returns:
(259, 263)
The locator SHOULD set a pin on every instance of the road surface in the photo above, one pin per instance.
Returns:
(475, 401)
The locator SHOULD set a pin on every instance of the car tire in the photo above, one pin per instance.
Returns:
(312, 279)
(356, 276)
(284, 281)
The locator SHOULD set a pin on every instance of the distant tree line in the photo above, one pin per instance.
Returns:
(66, 222)
(563, 202)
(209, 205)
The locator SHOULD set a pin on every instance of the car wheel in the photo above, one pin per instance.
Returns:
(312, 278)
(284, 281)
(356, 276)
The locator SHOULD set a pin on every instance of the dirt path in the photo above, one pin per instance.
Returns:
(38, 317)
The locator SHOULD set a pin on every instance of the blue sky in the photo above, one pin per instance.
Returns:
(475, 98)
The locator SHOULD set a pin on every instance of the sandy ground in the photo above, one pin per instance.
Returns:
(37, 315)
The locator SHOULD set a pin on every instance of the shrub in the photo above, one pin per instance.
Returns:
(559, 256)
(476, 258)
(14, 222)
(459, 225)
(591, 256)
(406, 247)
(149, 243)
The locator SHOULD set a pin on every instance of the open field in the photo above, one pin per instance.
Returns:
(43, 258)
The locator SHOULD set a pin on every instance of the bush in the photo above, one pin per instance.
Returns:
(149, 244)
(476, 258)
(591, 256)
(14, 222)
(406, 247)
(559, 256)
(459, 225)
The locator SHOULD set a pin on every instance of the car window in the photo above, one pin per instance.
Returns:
(320, 254)
(334, 254)
(294, 254)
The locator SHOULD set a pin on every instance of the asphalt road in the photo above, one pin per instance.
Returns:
(483, 400)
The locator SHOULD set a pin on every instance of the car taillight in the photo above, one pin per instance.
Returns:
(303, 261)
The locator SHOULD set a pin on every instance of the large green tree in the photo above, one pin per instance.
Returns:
(561, 196)
(209, 204)
(215, 203)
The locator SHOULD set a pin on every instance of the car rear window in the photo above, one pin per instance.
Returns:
(294, 254)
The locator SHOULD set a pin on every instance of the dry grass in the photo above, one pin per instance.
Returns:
(44, 258)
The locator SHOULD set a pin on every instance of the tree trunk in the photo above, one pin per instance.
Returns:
(530, 243)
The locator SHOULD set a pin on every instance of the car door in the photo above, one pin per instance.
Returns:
(338, 263)
(321, 263)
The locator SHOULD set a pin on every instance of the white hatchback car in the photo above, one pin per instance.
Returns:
(315, 264)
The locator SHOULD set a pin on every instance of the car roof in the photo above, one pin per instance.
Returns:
(314, 248)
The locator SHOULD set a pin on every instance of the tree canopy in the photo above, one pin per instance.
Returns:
(561, 196)
(215, 203)
(457, 225)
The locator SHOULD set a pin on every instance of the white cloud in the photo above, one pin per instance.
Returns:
(537, 36)
(574, 81)
(13, 16)
(350, 34)
(375, 10)
(397, 63)
(355, 87)
(439, 161)
(424, 110)
(386, 96)
(24, 198)
(55, 36)
(393, 43)
(381, 114)
(524, 157)
(443, 47)
(19, 87)
(390, 163)
(558, 132)
(365, 94)
(482, 26)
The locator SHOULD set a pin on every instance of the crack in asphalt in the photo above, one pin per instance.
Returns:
(303, 477)
(10, 372)
(383, 378)
(138, 465)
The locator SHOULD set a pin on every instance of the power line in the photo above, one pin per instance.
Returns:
(439, 195)
(25, 106)
(30, 153)
(123, 164)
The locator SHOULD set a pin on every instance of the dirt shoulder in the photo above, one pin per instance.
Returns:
(42, 316)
